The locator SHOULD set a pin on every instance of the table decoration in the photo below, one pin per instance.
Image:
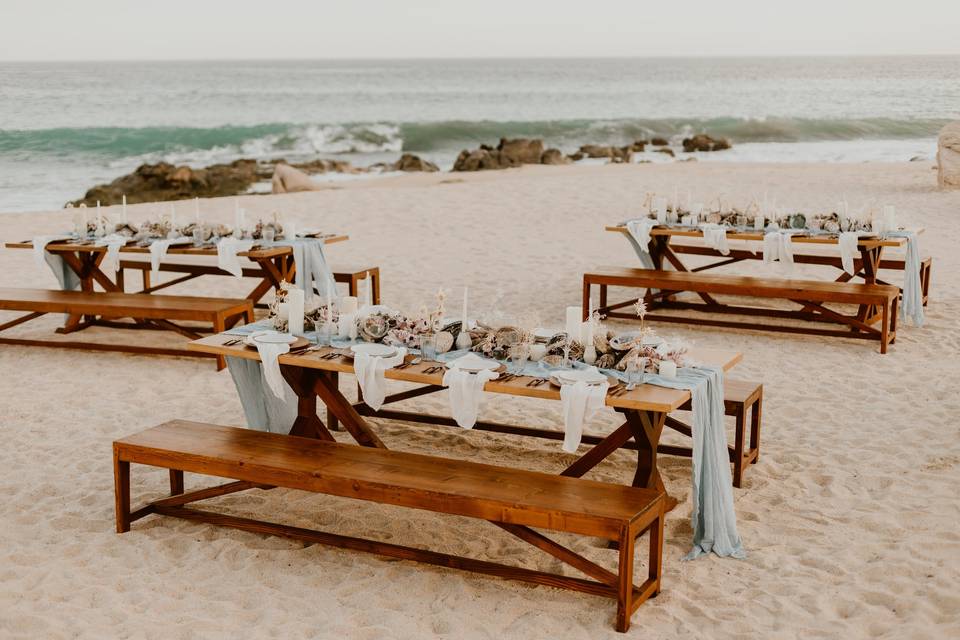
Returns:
(465, 378)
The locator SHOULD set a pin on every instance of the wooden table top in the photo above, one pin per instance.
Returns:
(645, 397)
(754, 235)
(187, 249)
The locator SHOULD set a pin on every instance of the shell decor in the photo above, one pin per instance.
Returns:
(601, 342)
(606, 361)
(553, 360)
(373, 328)
(444, 341)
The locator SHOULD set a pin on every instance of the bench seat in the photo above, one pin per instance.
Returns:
(513, 499)
(153, 311)
(876, 301)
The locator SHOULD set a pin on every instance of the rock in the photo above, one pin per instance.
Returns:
(483, 160)
(576, 157)
(554, 156)
(948, 156)
(323, 165)
(660, 142)
(410, 162)
(917, 159)
(523, 150)
(638, 146)
(666, 150)
(703, 142)
(615, 154)
(286, 179)
(163, 181)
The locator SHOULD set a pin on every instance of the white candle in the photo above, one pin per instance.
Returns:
(668, 368)
(537, 352)
(196, 209)
(295, 301)
(123, 211)
(695, 211)
(590, 323)
(758, 223)
(573, 322)
(83, 207)
(466, 322)
(348, 304)
(283, 311)
(660, 205)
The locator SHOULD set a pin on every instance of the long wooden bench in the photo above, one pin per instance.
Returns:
(349, 275)
(740, 398)
(514, 500)
(875, 301)
(150, 311)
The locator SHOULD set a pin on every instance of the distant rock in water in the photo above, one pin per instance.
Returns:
(660, 142)
(614, 154)
(703, 142)
(554, 156)
(948, 156)
(163, 181)
(523, 150)
(509, 153)
(410, 162)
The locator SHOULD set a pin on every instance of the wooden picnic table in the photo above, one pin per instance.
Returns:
(645, 408)
(274, 265)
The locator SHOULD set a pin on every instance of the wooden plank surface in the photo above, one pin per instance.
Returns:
(439, 484)
(645, 397)
(116, 304)
(752, 235)
(186, 250)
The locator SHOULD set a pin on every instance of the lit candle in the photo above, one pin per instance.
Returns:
(668, 368)
(573, 322)
(123, 211)
(295, 302)
(466, 322)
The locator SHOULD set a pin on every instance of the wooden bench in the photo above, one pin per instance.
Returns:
(513, 500)
(99, 308)
(351, 276)
(740, 397)
(875, 301)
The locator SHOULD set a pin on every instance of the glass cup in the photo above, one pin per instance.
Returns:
(741, 221)
(325, 331)
(519, 353)
(198, 236)
(269, 235)
(635, 369)
(428, 347)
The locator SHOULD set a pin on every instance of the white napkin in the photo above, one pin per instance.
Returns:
(466, 390)
(158, 251)
(269, 353)
(40, 245)
(112, 242)
(640, 230)
(715, 235)
(778, 245)
(580, 402)
(369, 371)
(848, 242)
(227, 250)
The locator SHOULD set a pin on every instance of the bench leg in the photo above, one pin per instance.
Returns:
(625, 578)
(121, 490)
(333, 423)
(755, 416)
(738, 447)
(885, 327)
(219, 326)
(176, 482)
(655, 560)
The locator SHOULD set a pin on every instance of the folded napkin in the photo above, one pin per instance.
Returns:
(227, 250)
(848, 242)
(369, 371)
(269, 353)
(158, 251)
(113, 243)
(466, 390)
(639, 231)
(40, 246)
(778, 245)
(580, 402)
(715, 235)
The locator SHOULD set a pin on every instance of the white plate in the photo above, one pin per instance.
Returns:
(268, 337)
(572, 376)
(374, 349)
(473, 364)
(623, 339)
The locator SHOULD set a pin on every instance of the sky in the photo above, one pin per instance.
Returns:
(304, 29)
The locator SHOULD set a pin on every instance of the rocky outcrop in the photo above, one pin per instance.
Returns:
(660, 142)
(554, 156)
(163, 181)
(523, 150)
(666, 150)
(614, 154)
(703, 142)
(321, 165)
(948, 156)
(410, 162)
(509, 153)
(286, 179)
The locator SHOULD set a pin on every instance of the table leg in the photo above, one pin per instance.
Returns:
(871, 266)
(307, 424)
(646, 428)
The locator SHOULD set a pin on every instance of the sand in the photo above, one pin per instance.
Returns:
(850, 518)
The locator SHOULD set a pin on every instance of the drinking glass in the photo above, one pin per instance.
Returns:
(635, 369)
(428, 347)
(269, 234)
(325, 331)
(198, 236)
(519, 353)
(741, 221)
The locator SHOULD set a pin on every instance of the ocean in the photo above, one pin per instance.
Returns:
(67, 126)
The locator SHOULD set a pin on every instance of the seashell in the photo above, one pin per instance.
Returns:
(606, 361)
(798, 221)
(576, 350)
(601, 343)
(553, 360)
(636, 352)
(507, 336)
(444, 341)
(713, 218)
(555, 344)
(373, 328)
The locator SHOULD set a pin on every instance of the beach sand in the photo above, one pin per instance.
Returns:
(850, 517)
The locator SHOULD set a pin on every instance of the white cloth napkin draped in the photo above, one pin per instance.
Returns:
(778, 246)
(848, 242)
(227, 250)
(639, 231)
(40, 246)
(580, 401)
(715, 235)
(113, 243)
(269, 353)
(158, 251)
(466, 390)
(369, 371)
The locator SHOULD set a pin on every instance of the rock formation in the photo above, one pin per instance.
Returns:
(948, 156)
(554, 156)
(660, 142)
(703, 142)
(523, 150)
(410, 162)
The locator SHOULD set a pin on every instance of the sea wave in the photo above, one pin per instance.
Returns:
(198, 145)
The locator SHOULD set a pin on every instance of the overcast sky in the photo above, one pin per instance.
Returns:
(232, 29)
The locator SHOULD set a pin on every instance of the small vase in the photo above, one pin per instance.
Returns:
(590, 354)
(464, 341)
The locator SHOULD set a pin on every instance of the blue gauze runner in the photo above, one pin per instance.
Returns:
(912, 303)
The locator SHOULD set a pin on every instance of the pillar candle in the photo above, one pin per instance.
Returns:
(295, 302)
(99, 215)
(123, 211)
(466, 323)
(83, 207)
(660, 206)
(537, 352)
(283, 311)
(348, 304)
(573, 322)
